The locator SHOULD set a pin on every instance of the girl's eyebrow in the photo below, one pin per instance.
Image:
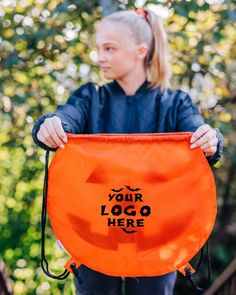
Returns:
(108, 43)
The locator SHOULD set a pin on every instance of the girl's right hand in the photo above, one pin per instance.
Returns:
(51, 133)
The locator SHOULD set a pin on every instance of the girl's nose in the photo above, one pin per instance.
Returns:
(101, 58)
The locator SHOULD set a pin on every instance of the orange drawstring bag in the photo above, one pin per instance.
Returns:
(130, 204)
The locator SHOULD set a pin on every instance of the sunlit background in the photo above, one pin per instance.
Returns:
(46, 51)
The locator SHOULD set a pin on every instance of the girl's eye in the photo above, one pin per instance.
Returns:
(109, 49)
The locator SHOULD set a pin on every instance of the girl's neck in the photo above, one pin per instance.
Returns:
(131, 84)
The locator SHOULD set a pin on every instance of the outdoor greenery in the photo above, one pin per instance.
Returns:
(46, 51)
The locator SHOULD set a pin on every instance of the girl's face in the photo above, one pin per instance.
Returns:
(118, 54)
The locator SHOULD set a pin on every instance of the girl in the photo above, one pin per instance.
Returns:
(132, 53)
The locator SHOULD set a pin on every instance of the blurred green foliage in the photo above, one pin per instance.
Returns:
(46, 51)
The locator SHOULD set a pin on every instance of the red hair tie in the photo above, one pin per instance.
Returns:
(142, 12)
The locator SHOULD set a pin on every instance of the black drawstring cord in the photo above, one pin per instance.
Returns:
(76, 272)
(189, 273)
(43, 225)
(200, 260)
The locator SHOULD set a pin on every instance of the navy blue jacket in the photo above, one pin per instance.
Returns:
(107, 109)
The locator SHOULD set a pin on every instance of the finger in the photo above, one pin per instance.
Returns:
(209, 144)
(47, 136)
(199, 132)
(44, 140)
(53, 133)
(204, 139)
(210, 151)
(58, 127)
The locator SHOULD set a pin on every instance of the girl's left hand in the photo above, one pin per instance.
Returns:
(205, 138)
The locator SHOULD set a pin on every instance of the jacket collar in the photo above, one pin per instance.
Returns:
(142, 88)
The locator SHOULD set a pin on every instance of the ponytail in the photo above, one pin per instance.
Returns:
(157, 61)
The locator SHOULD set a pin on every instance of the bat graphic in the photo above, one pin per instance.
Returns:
(133, 189)
(128, 231)
(117, 190)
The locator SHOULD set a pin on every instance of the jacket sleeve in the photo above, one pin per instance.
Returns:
(73, 114)
(189, 119)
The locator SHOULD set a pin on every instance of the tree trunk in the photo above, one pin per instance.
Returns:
(5, 283)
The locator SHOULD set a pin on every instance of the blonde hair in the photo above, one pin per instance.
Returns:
(149, 30)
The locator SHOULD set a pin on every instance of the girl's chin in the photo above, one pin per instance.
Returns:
(108, 75)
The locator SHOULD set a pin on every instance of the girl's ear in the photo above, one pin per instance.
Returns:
(142, 50)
